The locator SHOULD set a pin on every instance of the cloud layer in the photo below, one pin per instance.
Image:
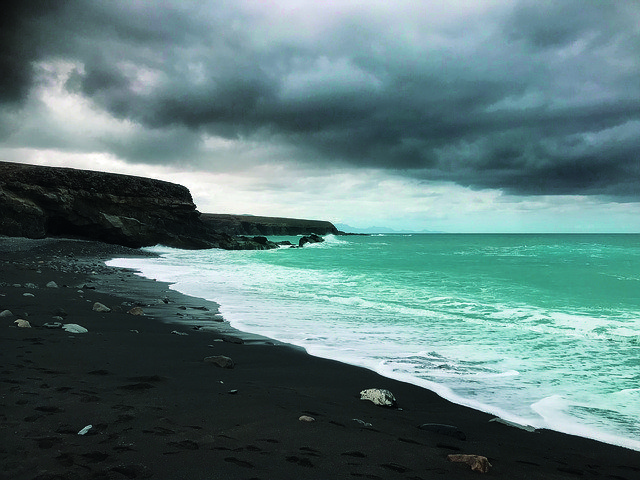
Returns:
(529, 97)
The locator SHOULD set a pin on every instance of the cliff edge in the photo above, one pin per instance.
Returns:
(37, 202)
(257, 225)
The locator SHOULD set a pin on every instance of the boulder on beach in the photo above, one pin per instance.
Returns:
(22, 323)
(99, 307)
(6, 313)
(220, 361)
(477, 463)
(379, 396)
(74, 328)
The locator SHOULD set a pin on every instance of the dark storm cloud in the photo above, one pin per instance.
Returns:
(553, 24)
(530, 97)
(22, 41)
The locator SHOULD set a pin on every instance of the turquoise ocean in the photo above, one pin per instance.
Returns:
(541, 330)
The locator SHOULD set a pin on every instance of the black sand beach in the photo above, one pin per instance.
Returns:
(158, 410)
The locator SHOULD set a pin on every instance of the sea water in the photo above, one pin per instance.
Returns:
(541, 330)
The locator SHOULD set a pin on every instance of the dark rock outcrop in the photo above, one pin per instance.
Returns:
(37, 202)
(313, 238)
(260, 226)
(257, 243)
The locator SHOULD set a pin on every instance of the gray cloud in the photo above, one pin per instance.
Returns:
(529, 97)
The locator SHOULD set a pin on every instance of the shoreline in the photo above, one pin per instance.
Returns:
(159, 410)
(273, 323)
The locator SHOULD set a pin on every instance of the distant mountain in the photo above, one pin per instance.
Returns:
(349, 229)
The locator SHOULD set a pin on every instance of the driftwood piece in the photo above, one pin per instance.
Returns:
(476, 462)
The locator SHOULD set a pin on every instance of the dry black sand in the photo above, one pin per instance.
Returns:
(158, 410)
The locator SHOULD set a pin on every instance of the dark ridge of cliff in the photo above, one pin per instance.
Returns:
(257, 225)
(37, 202)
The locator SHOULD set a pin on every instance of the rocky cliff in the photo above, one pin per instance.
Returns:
(36, 202)
(256, 225)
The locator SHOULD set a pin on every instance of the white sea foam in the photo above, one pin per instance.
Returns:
(554, 411)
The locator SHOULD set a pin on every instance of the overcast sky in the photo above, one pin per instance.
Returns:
(459, 116)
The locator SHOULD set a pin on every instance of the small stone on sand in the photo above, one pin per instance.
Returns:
(306, 418)
(6, 313)
(22, 323)
(52, 284)
(136, 311)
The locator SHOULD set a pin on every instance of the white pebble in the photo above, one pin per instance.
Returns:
(74, 328)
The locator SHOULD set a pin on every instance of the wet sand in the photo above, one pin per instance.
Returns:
(157, 409)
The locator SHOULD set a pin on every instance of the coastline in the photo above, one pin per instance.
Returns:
(159, 410)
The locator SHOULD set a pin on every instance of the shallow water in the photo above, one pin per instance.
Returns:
(542, 330)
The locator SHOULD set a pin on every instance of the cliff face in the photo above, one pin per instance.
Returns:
(255, 225)
(44, 201)
(37, 202)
